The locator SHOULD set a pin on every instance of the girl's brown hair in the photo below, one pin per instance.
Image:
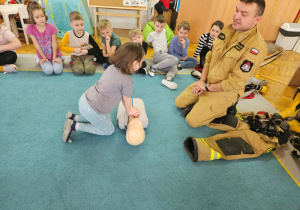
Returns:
(124, 57)
(32, 6)
(218, 23)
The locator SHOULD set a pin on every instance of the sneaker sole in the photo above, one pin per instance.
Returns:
(162, 82)
(67, 130)
(69, 114)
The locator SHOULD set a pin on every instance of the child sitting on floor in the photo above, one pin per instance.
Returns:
(110, 41)
(162, 60)
(136, 35)
(179, 46)
(206, 40)
(8, 44)
(99, 100)
(44, 38)
(78, 42)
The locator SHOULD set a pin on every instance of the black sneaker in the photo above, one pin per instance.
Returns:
(179, 67)
(196, 74)
(142, 71)
(186, 110)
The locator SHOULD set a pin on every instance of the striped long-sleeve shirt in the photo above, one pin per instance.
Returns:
(203, 42)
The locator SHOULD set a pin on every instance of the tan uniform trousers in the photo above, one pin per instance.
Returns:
(235, 144)
(208, 105)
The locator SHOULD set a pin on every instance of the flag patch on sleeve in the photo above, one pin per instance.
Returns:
(254, 51)
(246, 66)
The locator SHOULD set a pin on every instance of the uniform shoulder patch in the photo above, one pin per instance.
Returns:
(254, 51)
(239, 46)
(221, 36)
(246, 66)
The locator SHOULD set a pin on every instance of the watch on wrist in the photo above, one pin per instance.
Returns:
(206, 87)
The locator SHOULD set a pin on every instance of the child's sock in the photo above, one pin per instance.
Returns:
(77, 126)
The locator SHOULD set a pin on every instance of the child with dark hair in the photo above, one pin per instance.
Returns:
(44, 38)
(206, 40)
(162, 60)
(99, 100)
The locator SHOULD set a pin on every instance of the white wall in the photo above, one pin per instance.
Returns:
(122, 22)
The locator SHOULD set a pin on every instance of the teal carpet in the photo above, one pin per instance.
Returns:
(39, 171)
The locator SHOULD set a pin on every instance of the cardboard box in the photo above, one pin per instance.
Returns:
(295, 80)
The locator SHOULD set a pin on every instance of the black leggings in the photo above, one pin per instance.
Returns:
(203, 53)
(98, 54)
(8, 57)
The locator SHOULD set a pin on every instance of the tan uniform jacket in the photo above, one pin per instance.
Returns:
(234, 65)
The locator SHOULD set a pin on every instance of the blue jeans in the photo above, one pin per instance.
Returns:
(51, 67)
(189, 62)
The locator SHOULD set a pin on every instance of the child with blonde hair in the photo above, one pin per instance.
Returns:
(179, 46)
(44, 38)
(110, 41)
(136, 35)
(98, 101)
(79, 43)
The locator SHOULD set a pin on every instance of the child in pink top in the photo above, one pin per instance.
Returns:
(44, 38)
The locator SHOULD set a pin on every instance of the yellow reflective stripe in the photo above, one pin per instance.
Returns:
(204, 142)
(213, 154)
(211, 150)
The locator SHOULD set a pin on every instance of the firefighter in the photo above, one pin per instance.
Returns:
(235, 56)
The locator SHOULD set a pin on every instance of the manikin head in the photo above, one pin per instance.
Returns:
(135, 134)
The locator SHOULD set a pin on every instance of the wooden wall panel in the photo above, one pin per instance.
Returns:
(276, 13)
(202, 13)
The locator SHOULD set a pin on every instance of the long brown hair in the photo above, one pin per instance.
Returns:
(32, 6)
(124, 57)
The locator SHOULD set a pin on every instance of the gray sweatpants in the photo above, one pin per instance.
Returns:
(165, 62)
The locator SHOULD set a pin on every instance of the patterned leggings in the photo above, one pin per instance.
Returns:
(92, 122)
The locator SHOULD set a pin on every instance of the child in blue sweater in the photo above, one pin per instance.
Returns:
(179, 47)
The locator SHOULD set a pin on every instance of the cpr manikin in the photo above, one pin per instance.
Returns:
(135, 133)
